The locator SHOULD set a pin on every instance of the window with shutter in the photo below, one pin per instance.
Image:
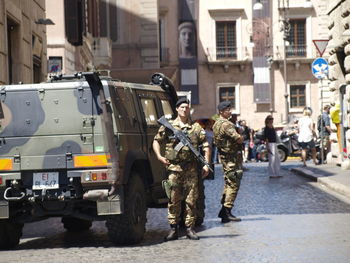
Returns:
(73, 12)
(297, 38)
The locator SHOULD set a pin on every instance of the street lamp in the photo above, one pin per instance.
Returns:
(283, 5)
(44, 21)
(258, 5)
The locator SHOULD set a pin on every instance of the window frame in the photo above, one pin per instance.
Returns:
(237, 109)
(307, 95)
(295, 53)
(226, 15)
(226, 47)
(297, 13)
(153, 99)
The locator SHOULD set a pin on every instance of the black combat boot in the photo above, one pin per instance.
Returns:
(230, 216)
(226, 216)
(173, 233)
(191, 234)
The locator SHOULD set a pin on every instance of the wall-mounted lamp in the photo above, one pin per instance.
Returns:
(258, 5)
(251, 42)
(44, 21)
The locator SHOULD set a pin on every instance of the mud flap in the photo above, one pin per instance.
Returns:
(113, 206)
(4, 210)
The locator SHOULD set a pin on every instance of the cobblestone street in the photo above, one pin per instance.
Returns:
(287, 219)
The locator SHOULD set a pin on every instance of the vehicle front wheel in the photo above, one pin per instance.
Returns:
(129, 227)
(282, 154)
(10, 233)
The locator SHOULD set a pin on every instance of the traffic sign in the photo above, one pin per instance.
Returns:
(321, 45)
(320, 68)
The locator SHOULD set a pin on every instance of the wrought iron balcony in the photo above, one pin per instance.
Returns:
(226, 52)
(296, 51)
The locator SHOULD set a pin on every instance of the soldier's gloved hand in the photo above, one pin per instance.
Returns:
(163, 160)
(205, 171)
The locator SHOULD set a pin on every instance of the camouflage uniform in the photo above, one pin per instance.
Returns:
(225, 137)
(182, 171)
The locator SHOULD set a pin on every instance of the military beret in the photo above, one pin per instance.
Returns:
(224, 105)
(182, 100)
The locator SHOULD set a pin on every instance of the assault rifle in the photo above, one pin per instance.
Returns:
(183, 141)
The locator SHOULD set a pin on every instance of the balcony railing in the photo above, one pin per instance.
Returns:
(226, 52)
(296, 51)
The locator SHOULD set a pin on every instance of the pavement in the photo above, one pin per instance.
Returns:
(329, 175)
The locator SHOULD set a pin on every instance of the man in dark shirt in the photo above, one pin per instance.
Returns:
(326, 129)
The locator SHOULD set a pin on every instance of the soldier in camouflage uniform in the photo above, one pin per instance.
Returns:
(182, 169)
(228, 142)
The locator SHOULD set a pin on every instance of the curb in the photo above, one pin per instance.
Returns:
(338, 187)
(323, 180)
(306, 173)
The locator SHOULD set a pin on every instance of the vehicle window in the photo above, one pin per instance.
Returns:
(125, 109)
(168, 112)
(149, 110)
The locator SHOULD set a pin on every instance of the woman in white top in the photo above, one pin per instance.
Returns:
(306, 135)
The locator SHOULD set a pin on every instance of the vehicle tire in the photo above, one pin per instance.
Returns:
(282, 154)
(10, 233)
(73, 224)
(129, 227)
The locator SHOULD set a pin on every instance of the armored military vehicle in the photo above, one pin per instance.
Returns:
(79, 147)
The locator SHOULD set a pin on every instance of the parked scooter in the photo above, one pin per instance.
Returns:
(261, 150)
(290, 146)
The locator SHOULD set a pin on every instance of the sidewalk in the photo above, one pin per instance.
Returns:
(329, 175)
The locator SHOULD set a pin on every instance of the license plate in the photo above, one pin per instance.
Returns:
(45, 181)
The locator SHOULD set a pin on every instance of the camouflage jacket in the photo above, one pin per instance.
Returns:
(196, 134)
(225, 136)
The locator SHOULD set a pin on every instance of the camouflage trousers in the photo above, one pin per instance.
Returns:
(232, 176)
(183, 186)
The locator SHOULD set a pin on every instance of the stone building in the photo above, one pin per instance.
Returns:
(76, 42)
(22, 41)
(339, 60)
(241, 56)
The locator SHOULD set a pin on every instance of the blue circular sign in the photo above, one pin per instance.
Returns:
(320, 68)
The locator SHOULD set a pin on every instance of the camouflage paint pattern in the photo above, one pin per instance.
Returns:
(183, 186)
(182, 171)
(232, 177)
(197, 136)
(225, 137)
(43, 122)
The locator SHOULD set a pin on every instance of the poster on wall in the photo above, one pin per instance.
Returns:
(55, 65)
(188, 48)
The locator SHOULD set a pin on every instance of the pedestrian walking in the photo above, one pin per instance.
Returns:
(182, 168)
(270, 140)
(228, 142)
(324, 129)
(306, 129)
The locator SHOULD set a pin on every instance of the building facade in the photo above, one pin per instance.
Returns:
(339, 60)
(22, 41)
(251, 70)
(76, 41)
